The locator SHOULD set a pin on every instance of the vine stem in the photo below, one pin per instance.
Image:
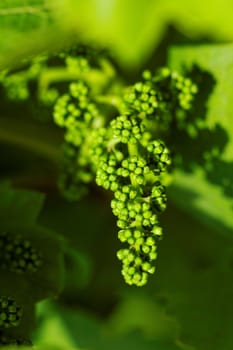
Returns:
(94, 77)
(34, 137)
(112, 100)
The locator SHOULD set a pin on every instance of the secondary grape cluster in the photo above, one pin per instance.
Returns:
(10, 312)
(18, 254)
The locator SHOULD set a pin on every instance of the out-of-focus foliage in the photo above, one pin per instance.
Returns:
(27, 27)
(207, 158)
(19, 207)
(121, 23)
(132, 28)
(184, 306)
(75, 327)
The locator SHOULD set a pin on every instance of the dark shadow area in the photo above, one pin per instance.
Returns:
(195, 144)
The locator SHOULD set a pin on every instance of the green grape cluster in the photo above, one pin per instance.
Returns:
(123, 153)
(10, 312)
(73, 180)
(138, 198)
(164, 97)
(142, 97)
(127, 128)
(172, 87)
(18, 254)
(16, 88)
(78, 115)
(75, 112)
(131, 168)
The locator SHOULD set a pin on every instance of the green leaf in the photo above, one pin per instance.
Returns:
(54, 331)
(134, 28)
(27, 28)
(194, 281)
(26, 15)
(117, 24)
(139, 311)
(19, 206)
(84, 331)
(203, 181)
(48, 279)
(19, 210)
(186, 305)
(78, 270)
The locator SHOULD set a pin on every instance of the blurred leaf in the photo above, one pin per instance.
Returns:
(194, 281)
(10, 283)
(116, 24)
(19, 206)
(203, 184)
(12, 347)
(19, 210)
(87, 332)
(196, 17)
(48, 280)
(187, 304)
(54, 331)
(27, 28)
(139, 311)
(22, 16)
(78, 270)
(90, 229)
(134, 28)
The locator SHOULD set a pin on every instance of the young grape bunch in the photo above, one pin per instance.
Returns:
(125, 154)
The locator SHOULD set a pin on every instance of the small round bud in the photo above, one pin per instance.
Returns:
(10, 312)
